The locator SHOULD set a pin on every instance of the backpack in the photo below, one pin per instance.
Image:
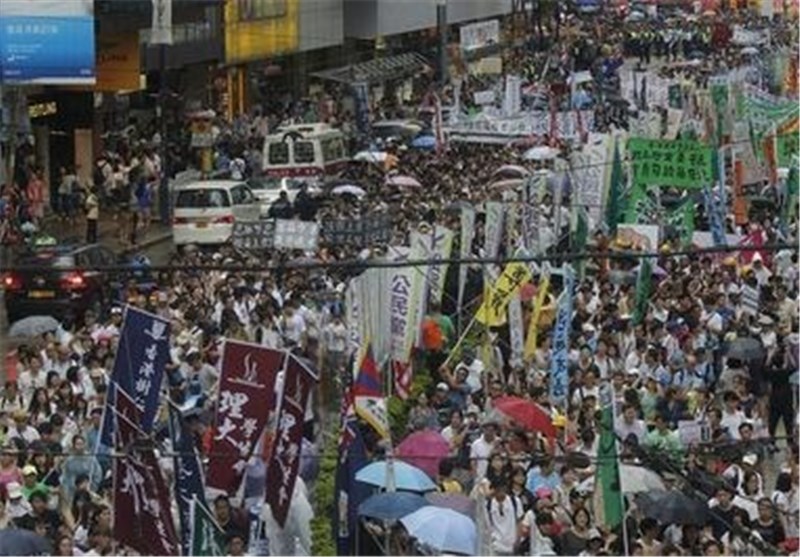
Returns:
(432, 337)
(489, 507)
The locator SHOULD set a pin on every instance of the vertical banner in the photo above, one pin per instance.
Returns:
(142, 354)
(739, 201)
(559, 377)
(161, 30)
(643, 284)
(492, 312)
(361, 98)
(285, 459)
(207, 538)
(401, 314)
(515, 329)
(493, 229)
(441, 248)
(465, 247)
(142, 505)
(246, 398)
(188, 475)
(533, 328)
(530, 215)
(512, 102)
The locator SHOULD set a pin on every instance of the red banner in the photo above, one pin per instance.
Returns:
(142, 508)
(283, 466)
(246, 397)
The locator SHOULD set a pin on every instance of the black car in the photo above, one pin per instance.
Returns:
(56, 286)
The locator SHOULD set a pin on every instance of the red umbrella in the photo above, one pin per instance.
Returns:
(424, 449)
(526, 414)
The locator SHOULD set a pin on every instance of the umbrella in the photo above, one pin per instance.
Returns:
(406, 476)
(424, 449)
(33, 326)
(348, 190)
(391, 506)
(444, 530)
(424, 142)
(23, 542)
(746, 349)
(633, 479)
(511, 171)
(672, 507)
(794, 379)
(375, 157)
(509, 184)
(453, 501)
(749, 50)
(541, 153)
(526, 414)
(401, 181)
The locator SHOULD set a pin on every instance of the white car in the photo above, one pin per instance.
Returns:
(267, 189)
(205, 211)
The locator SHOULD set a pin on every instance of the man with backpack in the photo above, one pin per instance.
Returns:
(504, 511)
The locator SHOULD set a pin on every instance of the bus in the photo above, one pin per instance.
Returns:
(310, 151)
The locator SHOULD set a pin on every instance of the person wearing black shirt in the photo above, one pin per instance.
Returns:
(722, 515)
(769, 528)
(40, 516)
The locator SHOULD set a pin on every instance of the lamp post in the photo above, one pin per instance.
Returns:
(441, 22)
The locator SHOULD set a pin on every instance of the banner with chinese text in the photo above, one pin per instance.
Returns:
(682, 164)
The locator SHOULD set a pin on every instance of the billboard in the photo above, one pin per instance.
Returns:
(259, 29)
(47, 41)
(118, 62)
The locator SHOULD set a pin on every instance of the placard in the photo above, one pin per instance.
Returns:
(254, 235)
(296, 234)
(362, 232)
(485, 97)
(683, 164)
(478, 35)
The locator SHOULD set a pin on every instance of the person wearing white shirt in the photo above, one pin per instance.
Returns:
(31, 379)
(504, 511)
(481, 449)
(474, 369)
(628, 424)
(294, 326)
(732, 417)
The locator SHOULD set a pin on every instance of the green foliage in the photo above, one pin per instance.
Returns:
(398, 409)
(322, 537)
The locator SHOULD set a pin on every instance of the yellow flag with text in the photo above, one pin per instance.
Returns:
(533, 328)
(492, 312)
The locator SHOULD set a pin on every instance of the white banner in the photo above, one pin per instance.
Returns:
(515, 329)
(401, 303)
(750, 37)
(479, 35)
(484, 97)
(588, 173)
(442, 246)
(296, 234)
(526, 124)
(512, 103)
(493, 229)
(161, 30)
(467, 236)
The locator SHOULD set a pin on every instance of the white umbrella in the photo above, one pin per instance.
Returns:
(541, 153)
(403, 182)
(512, 171)
(348, 189)
(376, 157)
(749, 50)
(633, 479)
(507, 184)
(33, 326)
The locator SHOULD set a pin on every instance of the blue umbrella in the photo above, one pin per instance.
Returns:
(444, 530)
(406, 477)
(424, 142)
(391, 506)
(23, 542)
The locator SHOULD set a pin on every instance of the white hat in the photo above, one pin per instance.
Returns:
(750, 459)
(14, 490)
(733, 288)
(442, 387)
(633, 371)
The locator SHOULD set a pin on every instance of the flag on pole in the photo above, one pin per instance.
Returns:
(161, 29)
(207, 538)
(533, 328)
(368, 399)
(581, 236)
(614, 209)
(189, 482)
(559, 374)
(607, 499)
(643, 282)
(348, 493)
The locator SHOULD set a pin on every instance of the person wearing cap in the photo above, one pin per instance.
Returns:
(40, 516)
(17, 504)
(30, 481)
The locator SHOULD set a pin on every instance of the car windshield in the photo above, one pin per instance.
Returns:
(260, 184)
(202, 199)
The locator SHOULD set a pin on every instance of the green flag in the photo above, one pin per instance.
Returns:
(642, 290)
(607, 501)
(207, 537)
(614, 206)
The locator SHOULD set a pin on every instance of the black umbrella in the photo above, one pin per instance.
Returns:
(672, 507)
(23, 542)
(745, 349)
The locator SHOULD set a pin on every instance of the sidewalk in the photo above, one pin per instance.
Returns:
(107, 233)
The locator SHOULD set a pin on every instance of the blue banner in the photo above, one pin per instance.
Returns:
(559, 375)
(188, 475)
(47, 41)
(142, 354)
(716, 218)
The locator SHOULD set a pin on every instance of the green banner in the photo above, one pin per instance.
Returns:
(788, 147)
(207, 537)
(661, 162)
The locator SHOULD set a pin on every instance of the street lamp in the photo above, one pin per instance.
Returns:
(441, 21)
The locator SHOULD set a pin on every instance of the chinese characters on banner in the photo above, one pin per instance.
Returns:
(296, 234)
(138, 367)
(683, 164)
(246, 397)
(142, 508)
(254, 235)
(492, 312)
(189, 474)
(360, 233)
(559, 377)
(285, 459)
(207, 538)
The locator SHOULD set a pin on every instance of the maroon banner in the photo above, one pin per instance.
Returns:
(246, 397)
(142, 512)
(285, 458)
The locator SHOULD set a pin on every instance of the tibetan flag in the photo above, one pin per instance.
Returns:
(370, 404)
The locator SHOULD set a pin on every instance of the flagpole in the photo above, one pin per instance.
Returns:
(461, 339)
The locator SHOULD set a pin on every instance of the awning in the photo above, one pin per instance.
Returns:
(377, 70)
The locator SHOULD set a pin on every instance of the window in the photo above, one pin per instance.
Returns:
(333, 149)
(303, 152)
(278, 153)
(261, 9)
(241, 195)
(202, 199)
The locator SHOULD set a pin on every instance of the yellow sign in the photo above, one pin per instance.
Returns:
(118, 63)
(492, 312)
(41, 110)
(259, 29)
(533, 328)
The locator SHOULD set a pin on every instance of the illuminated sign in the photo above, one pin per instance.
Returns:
(41, 110)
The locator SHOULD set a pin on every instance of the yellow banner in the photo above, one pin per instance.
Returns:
(118, 63)
(492, 312)
(259, 29)
(533, 328)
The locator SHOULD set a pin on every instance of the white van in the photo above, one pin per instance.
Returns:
(309, 151)
(204, 212)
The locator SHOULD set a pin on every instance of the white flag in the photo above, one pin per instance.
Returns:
(161, 31)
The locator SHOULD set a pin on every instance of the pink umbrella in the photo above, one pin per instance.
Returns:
(424, 449)
(403, 182)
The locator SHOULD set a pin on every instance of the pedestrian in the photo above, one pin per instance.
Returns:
(92, 215)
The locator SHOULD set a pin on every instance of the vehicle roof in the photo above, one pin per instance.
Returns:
(210, 184)
(45, 253)
(406, 122)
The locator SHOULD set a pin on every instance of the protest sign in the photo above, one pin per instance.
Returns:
(296, 234)
(683, 164)
(493, 310)
(363, 232)
(253, 235)
(479, 35)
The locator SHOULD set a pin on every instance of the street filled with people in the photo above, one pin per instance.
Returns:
(577, 338)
